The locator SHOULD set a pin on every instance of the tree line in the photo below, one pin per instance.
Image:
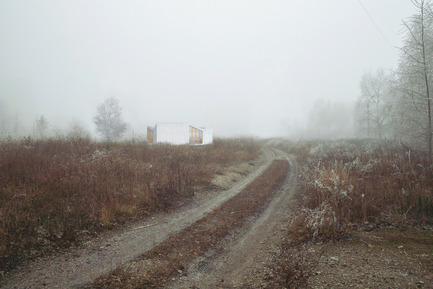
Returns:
(397, 104)
(108, 121)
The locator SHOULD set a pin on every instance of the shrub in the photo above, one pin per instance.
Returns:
(349, 184)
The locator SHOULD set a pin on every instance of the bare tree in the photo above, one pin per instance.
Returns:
(415, 76)
(4, 123)
(77, 130)
(108, 120)
(329, 119)
(41, 127)
(375, 104)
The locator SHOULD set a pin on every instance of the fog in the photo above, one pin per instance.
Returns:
(244, 68)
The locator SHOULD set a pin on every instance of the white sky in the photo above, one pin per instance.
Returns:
(240, 67)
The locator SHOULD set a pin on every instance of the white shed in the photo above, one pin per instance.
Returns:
(179, 133)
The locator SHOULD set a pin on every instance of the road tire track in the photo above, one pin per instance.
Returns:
(155, 268)
(248, 254)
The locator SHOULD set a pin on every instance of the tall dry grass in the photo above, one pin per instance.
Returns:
(54, 191)
(349, 184)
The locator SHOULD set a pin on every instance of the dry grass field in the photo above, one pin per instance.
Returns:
(355, 212)
(54, 192)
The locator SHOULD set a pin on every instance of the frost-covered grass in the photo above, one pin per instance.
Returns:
(54, 191)
(353, 185)
(349, 184)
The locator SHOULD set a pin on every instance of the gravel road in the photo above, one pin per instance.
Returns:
(248, 253)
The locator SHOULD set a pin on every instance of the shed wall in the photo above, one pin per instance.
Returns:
(207, 136)
(173, 133)
(150, 135)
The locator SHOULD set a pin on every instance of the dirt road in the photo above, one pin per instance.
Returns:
(247, 253)
(80, 266)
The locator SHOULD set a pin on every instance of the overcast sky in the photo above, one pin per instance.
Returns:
(239, 67)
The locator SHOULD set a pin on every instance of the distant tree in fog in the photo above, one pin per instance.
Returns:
(4, 121)
(9, 123)
(329, 119)
(374, 107)
(108, 120)
(403, 103)
(41, 127)
(4, 127)
(77, 130)
(415, 78)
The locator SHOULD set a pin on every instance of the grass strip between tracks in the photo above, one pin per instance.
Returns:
(173, 256)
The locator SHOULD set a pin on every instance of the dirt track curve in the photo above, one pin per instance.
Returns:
(248, 253)
(80, 266)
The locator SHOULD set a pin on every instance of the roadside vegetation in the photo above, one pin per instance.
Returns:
(351, 186)
(54, 193)
(156, 267)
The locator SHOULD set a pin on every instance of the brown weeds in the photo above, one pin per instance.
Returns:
(54, 191)
(347, 185)
(353, 184)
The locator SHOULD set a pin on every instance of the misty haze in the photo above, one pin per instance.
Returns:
(216, 144)
(245, 68)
